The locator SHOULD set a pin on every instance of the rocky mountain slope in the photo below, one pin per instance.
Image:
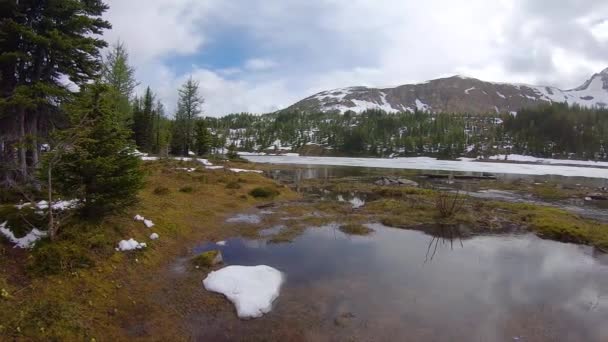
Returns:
(456, 94)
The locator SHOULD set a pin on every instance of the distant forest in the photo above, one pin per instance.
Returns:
(556, 130)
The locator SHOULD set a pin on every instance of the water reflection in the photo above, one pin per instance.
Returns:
(382, 287)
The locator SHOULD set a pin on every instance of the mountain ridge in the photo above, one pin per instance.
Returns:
(456, 94)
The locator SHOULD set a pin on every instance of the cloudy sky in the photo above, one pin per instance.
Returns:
(261, 55)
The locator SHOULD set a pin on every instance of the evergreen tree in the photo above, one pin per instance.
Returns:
(188, 109)
(100, 166)
(143, 121)
(202, 137)
(41, 43)
(120, 76)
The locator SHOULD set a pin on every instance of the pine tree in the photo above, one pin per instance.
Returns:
(188, 109)
(100, 166)
(41, 43)
(143, 121)
(120, 76)
(202, 137)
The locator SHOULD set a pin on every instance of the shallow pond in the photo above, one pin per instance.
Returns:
(405, 285)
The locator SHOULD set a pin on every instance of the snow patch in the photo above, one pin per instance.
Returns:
(149, 223)
(468, 91)
(154, 236)
(221, 243)
(243, 170)
(129, 245)
(251, 289)
(27, 241)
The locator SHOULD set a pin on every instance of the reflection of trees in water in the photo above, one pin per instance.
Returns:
(444, 235)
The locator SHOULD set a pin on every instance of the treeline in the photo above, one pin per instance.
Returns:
(560, 131)
(372, 132)
(556, 130)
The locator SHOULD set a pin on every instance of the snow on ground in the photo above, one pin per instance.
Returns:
(129, 245)
(26, 241)
(59, 205)
(187, 169)
(149, 223)
(214, 167)
(356, 202)
(468, 91)
(530, 159)
(221, 243)
(138, 218)
(203, 161)
(421, 106)
(251, 289)
(23, 205)
(426, 163)
(243, 170)
(154, 236)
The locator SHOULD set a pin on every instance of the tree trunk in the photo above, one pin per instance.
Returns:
(51, 226)
(22, 145)
(35, 147)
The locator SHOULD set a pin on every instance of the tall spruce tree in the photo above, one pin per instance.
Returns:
(188, 109)
(143, 121)
(120, 77)
(41, 44)
(202, 137)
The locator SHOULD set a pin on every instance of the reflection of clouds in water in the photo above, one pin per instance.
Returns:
(493, 285)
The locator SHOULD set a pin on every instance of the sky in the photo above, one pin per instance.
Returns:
(259, 56)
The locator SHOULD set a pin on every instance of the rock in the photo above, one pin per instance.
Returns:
(407, 182)
(208, 259)
(392, 181)
(598, 197)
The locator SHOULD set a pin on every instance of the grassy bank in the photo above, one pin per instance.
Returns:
(80, 288)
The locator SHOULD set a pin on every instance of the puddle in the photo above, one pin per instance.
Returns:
(418, 287)
(245, 218)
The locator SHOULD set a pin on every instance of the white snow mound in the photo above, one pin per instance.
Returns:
(131, 244)
(154, 236)
(251, 289)
(138, 218)
(149, 223)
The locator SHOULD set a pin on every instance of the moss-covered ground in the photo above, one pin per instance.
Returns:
(80, 289)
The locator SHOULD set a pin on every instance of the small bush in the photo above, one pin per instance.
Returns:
(161, 190)
(187, 189)
(57, 257)
(233, 185)
(355, 229)
(264, 192)
(448, 203)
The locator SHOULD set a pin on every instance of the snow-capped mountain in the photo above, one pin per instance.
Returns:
(456, 94)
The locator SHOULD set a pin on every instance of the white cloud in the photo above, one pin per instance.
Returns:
(309, 46)
(260, 64)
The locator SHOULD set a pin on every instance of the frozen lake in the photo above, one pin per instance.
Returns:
(426, 163)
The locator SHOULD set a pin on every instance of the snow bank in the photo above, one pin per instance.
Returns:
(154, 236)
(251, 289)
(27, 241)
(243, 170)
(129, 245)
(426, 163)
(530, 159)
